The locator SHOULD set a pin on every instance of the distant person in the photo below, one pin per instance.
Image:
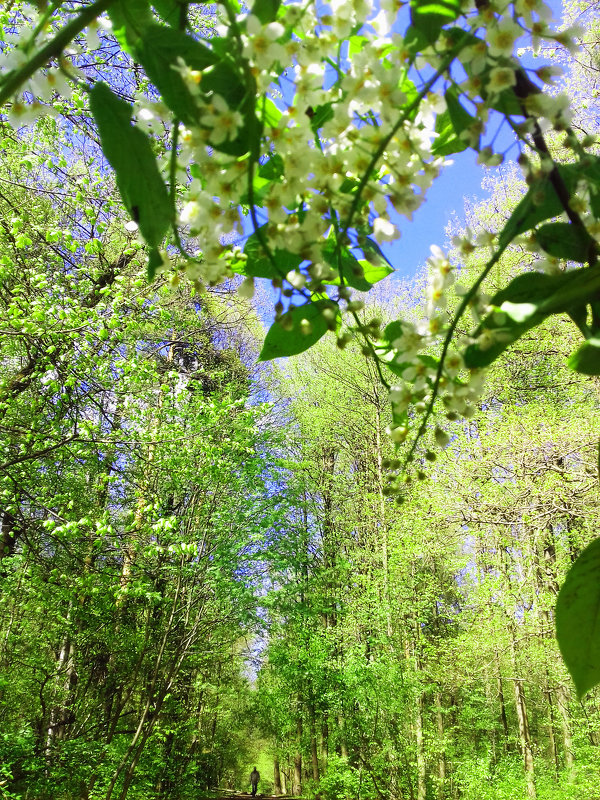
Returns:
(254, 779)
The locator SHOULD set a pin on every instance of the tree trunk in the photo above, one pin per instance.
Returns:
(547, 693)
(439, 717)
(276, 777)
(8, 535)
(297, 784)
(343, 745)
(562, 698)
(420, 744)
(314, 756)
(325, 740)
(525, 738)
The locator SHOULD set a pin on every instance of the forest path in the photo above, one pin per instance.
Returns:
(229, 794)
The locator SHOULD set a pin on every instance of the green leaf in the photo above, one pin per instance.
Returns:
(360, 275)
(507, 102)
(129, 19)
(449, 125)
(374, 254)
(525, 303)
(429, 16)
(266, 10)
(541, 202)
(158, 51)
(154, 263)
(578, 619)
(258, 264)
(393, 331)
(321, 115)
(586, 359)
(269, 112)
(565, 240)
(415, 40)
(356, 44)
(306, 326)
(447, 142)
(272, 169)
(129, 152)
(169, 10)
(461, 119)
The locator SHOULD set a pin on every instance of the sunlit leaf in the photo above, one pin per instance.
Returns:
(586, 359)
(302, 327)
(161, 51)
(525, 303)
(266, 10)
(429, 16)
(578, 619)
(170, 10)
(565, 240)
(258, 264)
(129, 153)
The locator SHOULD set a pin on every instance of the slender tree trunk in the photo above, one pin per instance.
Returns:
(383, 532)
(525, 738)
(547, 692)
(297, 785)
(502, 703)
(562, 698)
(523, 720)
(314, 756)
(325, 739)
(276, 776)
(342, 729)
(439, 717)
(8, 535)
(420, 744)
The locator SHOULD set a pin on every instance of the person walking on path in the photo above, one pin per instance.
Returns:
(254, 779)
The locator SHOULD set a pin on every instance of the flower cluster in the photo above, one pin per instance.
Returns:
(345, 134)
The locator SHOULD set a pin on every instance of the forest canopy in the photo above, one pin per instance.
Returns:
(346, 566)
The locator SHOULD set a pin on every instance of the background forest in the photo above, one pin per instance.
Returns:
(202, 566)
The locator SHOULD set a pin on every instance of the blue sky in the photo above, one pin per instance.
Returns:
(446, 198)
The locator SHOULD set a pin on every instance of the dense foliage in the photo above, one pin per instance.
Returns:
(347, 569)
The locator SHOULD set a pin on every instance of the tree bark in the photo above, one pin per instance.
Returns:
(420, 746)
(314, 755)
(562, 698)
(439, 718)
(297, 784)
(276, 777)
(523, 720)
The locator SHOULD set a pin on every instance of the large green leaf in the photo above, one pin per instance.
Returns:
(449, 125)
(565, 240)
(586, 359)
(162, 51)
(258, 265)
(266, 10)
(129, 153)
(129, 18)
(578, 619)
(303, 326)
(542, 202)
(158, 50)
(525, 303)
(429, 16)
(360, 275)
(170, 10)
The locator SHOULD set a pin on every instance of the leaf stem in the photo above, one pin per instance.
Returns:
(447, 339)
